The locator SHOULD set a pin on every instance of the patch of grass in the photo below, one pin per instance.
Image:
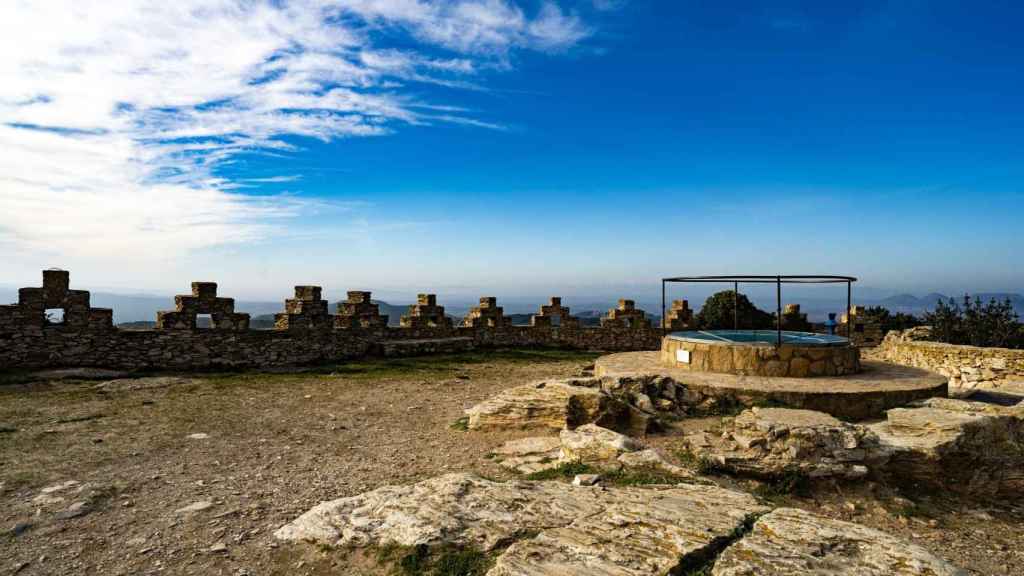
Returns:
(642, 476)
(789, 484)
(699, 464)
(446, 560)
(380, 368)
(17, 376)
(461, 424)
(563, 470)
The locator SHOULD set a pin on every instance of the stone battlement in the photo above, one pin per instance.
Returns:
(305, 332)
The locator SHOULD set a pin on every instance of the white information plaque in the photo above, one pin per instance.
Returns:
(683, 356)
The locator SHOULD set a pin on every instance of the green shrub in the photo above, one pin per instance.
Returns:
(977, 324)
(717, 313)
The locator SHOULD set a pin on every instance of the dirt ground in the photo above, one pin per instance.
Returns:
(191, 474)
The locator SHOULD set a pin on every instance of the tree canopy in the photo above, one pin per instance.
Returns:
(717, 313)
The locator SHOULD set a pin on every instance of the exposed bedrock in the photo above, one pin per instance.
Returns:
(556, 529)
(791, 542)
(589, 444)
(538, 528)
(567, 403)
(941, 443)
(772, 442)
(957, 445)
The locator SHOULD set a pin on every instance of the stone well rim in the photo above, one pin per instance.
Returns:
(796, 338)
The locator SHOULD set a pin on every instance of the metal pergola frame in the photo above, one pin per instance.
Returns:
(778, 280)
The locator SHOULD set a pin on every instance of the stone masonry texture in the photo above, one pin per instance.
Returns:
(304, 333)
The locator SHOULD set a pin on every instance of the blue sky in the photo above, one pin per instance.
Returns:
(527, 148)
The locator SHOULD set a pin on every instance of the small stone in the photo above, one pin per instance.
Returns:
(198, 436)
(75, 510)
(194, 507)
(218, 548)
(586, 479)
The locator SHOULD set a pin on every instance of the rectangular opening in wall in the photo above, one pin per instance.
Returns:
(54, 316)
(204, 321)
(556, 320)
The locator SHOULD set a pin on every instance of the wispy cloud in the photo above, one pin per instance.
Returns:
(114, 115)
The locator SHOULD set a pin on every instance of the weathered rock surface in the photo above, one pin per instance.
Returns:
(651, 458)
(552, 404)
(791, 542)
(558, 529)
(771, 442)
(967, 447)
(591, 444)
(529, 455)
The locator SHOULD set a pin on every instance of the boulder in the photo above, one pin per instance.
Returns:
(791, 542)
(551, 404)
(966, 447)
(651, 458)
(591, 444)
(555, 529)
(772, 442)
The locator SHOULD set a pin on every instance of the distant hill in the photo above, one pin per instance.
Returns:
(913, 305)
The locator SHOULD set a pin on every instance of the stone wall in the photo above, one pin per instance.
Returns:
(861, 329)
(760, 360)
(304, 333)
(967, 367)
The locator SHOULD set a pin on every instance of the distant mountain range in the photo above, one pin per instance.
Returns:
(911, 304)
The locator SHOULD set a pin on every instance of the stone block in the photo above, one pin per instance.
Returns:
(204, 290)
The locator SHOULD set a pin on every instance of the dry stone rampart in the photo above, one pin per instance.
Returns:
(968, 367)
(304, 333)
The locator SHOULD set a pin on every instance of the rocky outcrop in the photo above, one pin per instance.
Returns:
(552, 404)
(554, 528)
(791, 542)
(556, 404)
(967, 447)
(588, 444)
(592, 444)
(529, 455)
(772, 442)
(557, 529)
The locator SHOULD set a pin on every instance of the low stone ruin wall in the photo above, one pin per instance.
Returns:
(967, 367)
(305, 333)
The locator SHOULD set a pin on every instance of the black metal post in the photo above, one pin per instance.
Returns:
(778, 309)
(735, 305)
(664, 326)
(849, 308)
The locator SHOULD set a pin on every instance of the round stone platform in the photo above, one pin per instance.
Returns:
(868, 394)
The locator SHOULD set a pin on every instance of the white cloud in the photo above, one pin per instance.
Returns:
(114, 114)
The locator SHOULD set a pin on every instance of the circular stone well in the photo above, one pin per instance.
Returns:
(878, 387)
(756, 353)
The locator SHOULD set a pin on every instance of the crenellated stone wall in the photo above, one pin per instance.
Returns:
(862, 330)
(967, 367)
(626, 315)
(304, 333)
(679, 316)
